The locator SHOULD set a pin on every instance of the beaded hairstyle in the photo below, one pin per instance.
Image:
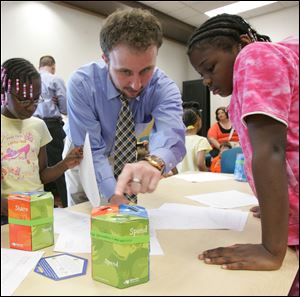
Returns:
(17, 73)
(226, 26)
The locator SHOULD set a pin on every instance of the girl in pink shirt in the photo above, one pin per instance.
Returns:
(263, 81)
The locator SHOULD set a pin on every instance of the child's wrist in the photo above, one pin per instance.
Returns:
(64, 165)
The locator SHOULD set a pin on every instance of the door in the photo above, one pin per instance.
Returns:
(194, 90)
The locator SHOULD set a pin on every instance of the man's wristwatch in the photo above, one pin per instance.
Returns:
(155, 162)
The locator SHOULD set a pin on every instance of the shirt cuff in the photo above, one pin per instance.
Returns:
(170, 159)
(107, 188)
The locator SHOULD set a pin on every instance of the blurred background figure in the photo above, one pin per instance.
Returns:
(50, 110)
(221, 131)
(196, 146)
(216, 162)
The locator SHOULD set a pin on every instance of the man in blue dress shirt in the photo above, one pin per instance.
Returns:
(130, 40)
(50, 110)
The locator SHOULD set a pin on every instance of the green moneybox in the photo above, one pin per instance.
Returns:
(30, 217)
(120, 245)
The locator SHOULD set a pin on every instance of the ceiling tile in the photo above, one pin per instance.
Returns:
(289, 3)
(168, 6)
(184, 13)
(204, 6)
(196, 20)
(261, 10)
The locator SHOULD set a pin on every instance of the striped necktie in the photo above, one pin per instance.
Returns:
(125, 142)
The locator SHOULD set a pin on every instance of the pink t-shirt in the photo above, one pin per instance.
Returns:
(266, 81)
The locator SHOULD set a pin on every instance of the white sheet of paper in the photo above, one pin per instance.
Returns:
(73, 243)
(227, 199)
(15, 266)
(74, 231)
(184, 217)
(155, 248)
(87, 174)
(66, 221)
(203, 177)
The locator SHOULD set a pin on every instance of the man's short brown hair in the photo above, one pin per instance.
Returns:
(46, 61)
(136, 27)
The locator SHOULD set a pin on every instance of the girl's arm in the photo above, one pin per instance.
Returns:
(201, 161)
(49, 174)
(268, 140)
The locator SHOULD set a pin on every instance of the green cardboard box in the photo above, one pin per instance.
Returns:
(30, 218)
(120, 245)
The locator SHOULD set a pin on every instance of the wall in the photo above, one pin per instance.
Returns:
(278, 25)
(34, 28)
(31, 29)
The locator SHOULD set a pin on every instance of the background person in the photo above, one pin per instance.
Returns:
(196, 146)
(50, 110)
(221, 131)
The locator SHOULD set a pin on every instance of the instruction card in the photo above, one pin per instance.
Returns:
(61, 266)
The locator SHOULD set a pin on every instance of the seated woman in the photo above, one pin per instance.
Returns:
(221, 131)
(196, 146)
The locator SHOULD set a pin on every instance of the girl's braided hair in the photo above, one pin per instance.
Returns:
(16, 73)
(223, 30)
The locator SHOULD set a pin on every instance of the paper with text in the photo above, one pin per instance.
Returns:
(15, 266)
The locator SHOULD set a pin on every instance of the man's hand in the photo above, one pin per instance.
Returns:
(118, 199)
(140, 177)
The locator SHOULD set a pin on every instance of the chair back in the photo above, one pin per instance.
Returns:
(228, 159)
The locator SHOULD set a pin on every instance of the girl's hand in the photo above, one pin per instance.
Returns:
(74, 157)
(256, 211)
(243, 257)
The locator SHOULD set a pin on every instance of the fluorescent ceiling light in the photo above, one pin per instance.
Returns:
(238, 7)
